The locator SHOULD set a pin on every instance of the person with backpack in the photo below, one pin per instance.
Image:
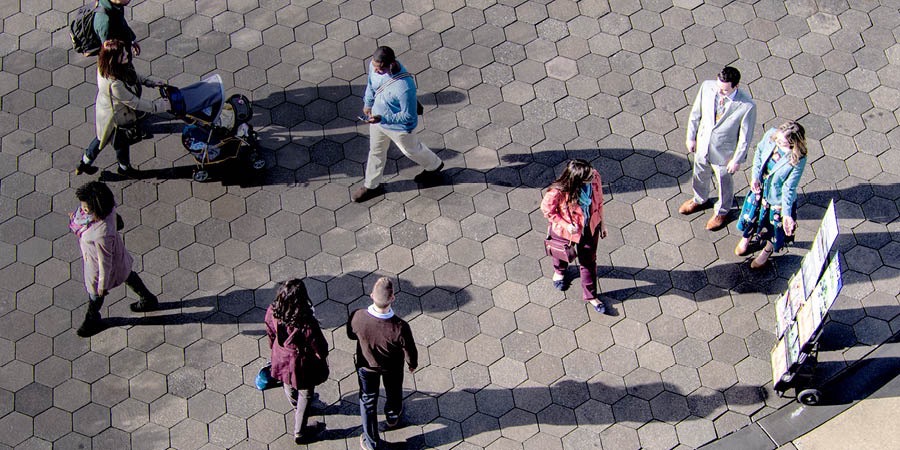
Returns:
(299, 352)
(118, 99)
(110, 23)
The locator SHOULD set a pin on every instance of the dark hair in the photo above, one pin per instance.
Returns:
(292, 304)
(108, 61)
(575, 175)
(384, 55)
(98, 198)
(730, 75)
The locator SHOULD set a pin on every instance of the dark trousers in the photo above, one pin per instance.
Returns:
(587, 260)
(369, 383)
(119, 143)
(300, 400)
(134, 283)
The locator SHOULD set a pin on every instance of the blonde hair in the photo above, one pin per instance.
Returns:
(796, 135)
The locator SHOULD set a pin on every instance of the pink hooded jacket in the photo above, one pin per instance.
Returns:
(561, 213)
(106, 261)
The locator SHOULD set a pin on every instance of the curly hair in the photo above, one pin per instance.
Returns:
(98, 197)
(576, 174)
(796, 135)
(292, 304)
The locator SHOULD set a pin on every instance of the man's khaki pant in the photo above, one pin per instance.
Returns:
(408, 143)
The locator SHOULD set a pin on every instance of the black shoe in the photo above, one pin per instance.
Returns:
(429, 176)
(91, 325)
(392, 420)
(84, 167)
(128, 171)
(145, 304)
(362, 194)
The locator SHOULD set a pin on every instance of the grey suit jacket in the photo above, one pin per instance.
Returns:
(728, 139)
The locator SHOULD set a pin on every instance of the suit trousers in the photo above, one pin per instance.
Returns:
(701, 184)
(408, 143)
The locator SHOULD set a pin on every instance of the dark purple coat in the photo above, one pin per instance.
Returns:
(298, 354)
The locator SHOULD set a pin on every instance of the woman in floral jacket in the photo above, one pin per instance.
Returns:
(574, 206)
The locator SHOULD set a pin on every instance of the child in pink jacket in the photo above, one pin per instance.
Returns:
(107, 263)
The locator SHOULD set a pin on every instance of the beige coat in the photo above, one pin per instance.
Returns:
(116, 106)
(728, 139)
(106, 261)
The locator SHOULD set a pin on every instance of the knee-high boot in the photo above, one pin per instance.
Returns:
(91, 324)
(148, 301)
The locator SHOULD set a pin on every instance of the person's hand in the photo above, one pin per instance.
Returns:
(789, 225)
(572, 228)
(602, 230)
(412, 369)
(374, 119)
(691, 145)
(102, 292)
(367, 111)
(136, 48)
(733, 167)
(756, 186)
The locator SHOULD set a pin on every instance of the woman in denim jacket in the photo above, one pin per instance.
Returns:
(574, 207)
(777, 168)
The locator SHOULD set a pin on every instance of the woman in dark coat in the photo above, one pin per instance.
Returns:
(299, 351)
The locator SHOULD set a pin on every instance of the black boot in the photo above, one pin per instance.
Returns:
(148, 301)
(92, 323)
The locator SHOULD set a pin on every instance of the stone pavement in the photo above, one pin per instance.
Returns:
(512, 89)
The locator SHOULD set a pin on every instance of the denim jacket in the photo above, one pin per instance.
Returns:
(780, 187)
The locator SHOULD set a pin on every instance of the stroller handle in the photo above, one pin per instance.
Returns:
(176, 99)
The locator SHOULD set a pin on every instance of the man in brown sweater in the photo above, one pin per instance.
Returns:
(384, 342)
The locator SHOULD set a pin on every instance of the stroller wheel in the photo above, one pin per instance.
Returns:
(201, 175)
(259, 164)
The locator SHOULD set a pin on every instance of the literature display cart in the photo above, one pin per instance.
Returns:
(801, 312)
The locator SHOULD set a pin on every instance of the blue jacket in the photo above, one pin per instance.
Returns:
(396, 104)
(781, 185)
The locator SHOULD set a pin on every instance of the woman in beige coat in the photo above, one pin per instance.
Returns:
(118, 99)
(107, 263)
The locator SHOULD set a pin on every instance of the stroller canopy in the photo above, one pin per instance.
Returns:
(203, 98)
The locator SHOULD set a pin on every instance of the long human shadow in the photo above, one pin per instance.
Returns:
(568, 403)
(333, 300)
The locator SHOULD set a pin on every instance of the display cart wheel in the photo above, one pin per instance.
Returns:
(809, 397)
(259, 164)
(201, 175)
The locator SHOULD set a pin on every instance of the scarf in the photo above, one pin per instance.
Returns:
(584, 200)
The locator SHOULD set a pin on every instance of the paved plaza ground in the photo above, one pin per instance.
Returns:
(511, 89)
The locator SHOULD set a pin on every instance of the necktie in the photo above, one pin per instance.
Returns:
(720, 108)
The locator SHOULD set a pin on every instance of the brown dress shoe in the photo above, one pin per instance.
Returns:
(716, 222)
(690, 207)
(363, 193)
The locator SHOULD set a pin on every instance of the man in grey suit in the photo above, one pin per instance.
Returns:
(718, 133)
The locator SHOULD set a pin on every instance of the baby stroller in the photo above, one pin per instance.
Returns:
(215, 130)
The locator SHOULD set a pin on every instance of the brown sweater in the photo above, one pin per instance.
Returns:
(382, 344)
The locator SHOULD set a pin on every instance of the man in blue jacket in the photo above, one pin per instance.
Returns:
(390, 108)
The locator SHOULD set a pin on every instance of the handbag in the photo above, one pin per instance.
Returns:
(564, 250)
(264, 378)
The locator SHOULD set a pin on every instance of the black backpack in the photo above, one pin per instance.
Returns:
(81, 30)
